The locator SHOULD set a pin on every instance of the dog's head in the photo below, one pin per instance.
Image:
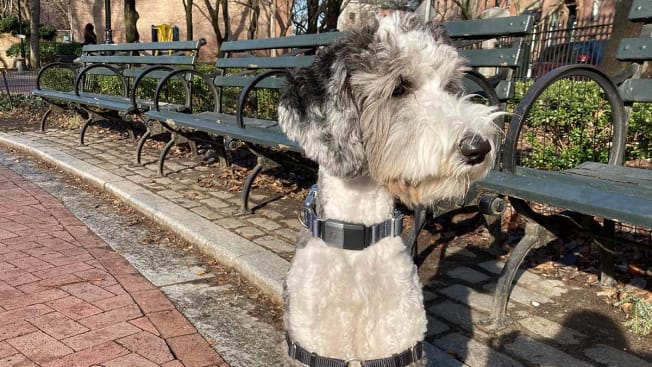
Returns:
(385, 101)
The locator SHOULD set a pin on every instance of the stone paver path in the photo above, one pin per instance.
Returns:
(67, 299)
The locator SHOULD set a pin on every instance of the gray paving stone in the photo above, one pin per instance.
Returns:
(457, 314)
(292, 223)
(215, 203)
(230, 223)
(542, 355)
(137, 178)
(287, 233)
(249, 232)
(170, 194)
(613, 357)
(184, 202)
(468, 275)
(429, 296)
(269, 213)
(469, 296)
(222, 194)
(436, 327)
(264, 223)
(439, 358)
(521, 295)
(474, 353)
(208, 213)
(549, 287)
(552, 330)
(275, 244)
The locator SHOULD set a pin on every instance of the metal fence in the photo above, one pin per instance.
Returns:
(18, 82)
(552, 45)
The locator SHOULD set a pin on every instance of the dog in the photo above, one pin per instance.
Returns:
(382, 113)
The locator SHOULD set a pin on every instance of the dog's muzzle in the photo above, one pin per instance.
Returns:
(347, 236)
(403, 359)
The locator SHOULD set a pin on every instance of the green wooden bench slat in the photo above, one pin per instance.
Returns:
(573, 196)
(614, 173)
(641, 10)
(635, 49)
(503, 57)
(636, 90)
(490, 28)
(241, 81)
(601, 176)
(300, 41)
(282, 62)
(147, 46)
(266, 136)
(158, 60)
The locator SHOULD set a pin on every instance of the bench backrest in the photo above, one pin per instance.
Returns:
(243, 54)
(160, 53)
(468, 34)
(637, 50)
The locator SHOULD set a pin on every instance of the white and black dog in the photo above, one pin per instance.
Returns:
(381, 112)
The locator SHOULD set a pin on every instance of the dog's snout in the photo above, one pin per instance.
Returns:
(474, 148)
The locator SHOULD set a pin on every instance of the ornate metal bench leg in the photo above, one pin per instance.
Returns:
(193, 148)
(164, 153)
(535, 236)
(494, 227)
(420, 214)
(141, 144)
(82, 133)
(45, 116)
(607, 249)
(260, 164)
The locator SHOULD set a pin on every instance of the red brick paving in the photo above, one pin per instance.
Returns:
(68, 300)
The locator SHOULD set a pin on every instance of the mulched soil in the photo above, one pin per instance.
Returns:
(573, 260)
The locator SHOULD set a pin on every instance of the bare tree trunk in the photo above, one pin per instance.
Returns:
(331, 14)
(34, 50)
(313, 16)
(131, 18)
(187, 5)
(622, 28)
(253, 21)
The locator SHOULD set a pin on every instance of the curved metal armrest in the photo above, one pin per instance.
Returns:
(173, 74)
(140, 77)
(485, 84)
(528, 101)
(251, 85)
(53, 65)
(117, 72)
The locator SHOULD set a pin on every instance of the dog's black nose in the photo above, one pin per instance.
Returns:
(474, 148)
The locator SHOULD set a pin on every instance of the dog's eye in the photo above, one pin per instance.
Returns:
(401, 88)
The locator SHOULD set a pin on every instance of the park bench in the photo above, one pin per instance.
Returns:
(268, 72)
(111, 81)
(589, 191)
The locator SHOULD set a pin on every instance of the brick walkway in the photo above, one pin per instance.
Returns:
(67, 299)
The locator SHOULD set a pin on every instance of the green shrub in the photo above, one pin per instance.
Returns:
(47, 31)
(570, 123)
(9, 24)
(49, 50)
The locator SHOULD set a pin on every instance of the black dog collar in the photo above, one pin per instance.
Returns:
(405, 358)
(347, 236)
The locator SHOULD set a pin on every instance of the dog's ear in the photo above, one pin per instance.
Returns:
(438, 32)
(318, 111)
